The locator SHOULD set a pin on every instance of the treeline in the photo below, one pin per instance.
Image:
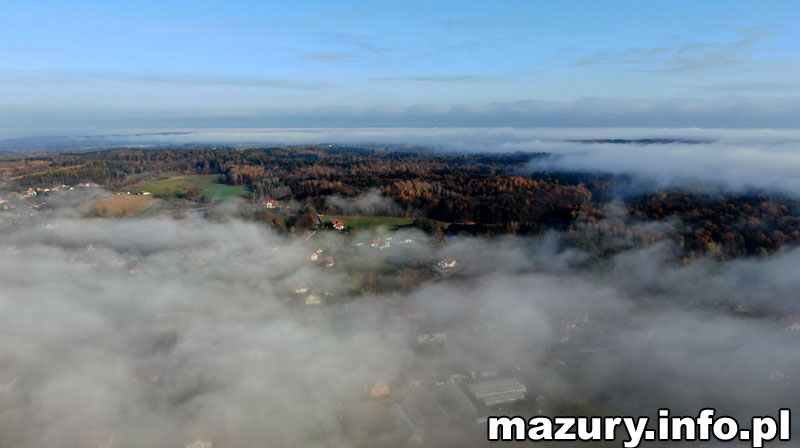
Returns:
(725, 226)
(482, 193)
(479, 188)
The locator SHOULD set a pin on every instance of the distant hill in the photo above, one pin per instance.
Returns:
(642, 141)
(477, 193)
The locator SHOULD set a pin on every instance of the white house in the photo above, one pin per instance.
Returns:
(447, 263)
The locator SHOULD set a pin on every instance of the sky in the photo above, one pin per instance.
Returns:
(395, 63)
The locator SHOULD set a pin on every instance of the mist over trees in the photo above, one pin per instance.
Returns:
(161, 331)
(476, 193)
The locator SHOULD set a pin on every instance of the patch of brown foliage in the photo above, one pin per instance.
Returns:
(122, 205)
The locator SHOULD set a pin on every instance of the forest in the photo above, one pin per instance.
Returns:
(486, 194)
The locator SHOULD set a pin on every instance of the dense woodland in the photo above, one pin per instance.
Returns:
(479, 193)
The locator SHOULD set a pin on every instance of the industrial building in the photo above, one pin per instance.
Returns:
(499, 391)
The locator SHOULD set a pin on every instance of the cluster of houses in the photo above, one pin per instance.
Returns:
(32, 192)
(320, 258)
(12, 198)
(447, 263)
(417, 408)
(384, 243)
(312, 297)
(413, 404)
(381, 243)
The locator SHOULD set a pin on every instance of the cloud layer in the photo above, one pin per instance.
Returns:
(189, 108)
(163, 330)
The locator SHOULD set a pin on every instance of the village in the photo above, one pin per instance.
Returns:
(399, 224)
(397, 410)
(376, 263)
(408, 408)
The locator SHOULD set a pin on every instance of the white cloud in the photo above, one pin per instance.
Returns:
(183, 327)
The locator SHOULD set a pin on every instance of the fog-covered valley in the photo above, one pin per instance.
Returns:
(174, 331)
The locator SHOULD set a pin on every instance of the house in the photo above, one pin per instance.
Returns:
(337, 225)
(271, 204)
(313, 299)
(381, 243)
(380, 389)
(328, 261)
(447, 263)
(431, 338)
(317, 253)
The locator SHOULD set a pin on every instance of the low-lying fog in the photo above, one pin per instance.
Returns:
(161, 331)
(733, 159)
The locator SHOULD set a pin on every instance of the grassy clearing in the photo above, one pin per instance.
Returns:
(210, 184)
(367, 222)
(122, 205)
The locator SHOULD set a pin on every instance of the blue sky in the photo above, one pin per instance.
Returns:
(398, 62)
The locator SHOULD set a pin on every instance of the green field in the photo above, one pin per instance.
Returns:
(210, 184)
(366, 222)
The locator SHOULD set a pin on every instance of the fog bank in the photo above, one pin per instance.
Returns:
(161, 331)
(735, 160)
